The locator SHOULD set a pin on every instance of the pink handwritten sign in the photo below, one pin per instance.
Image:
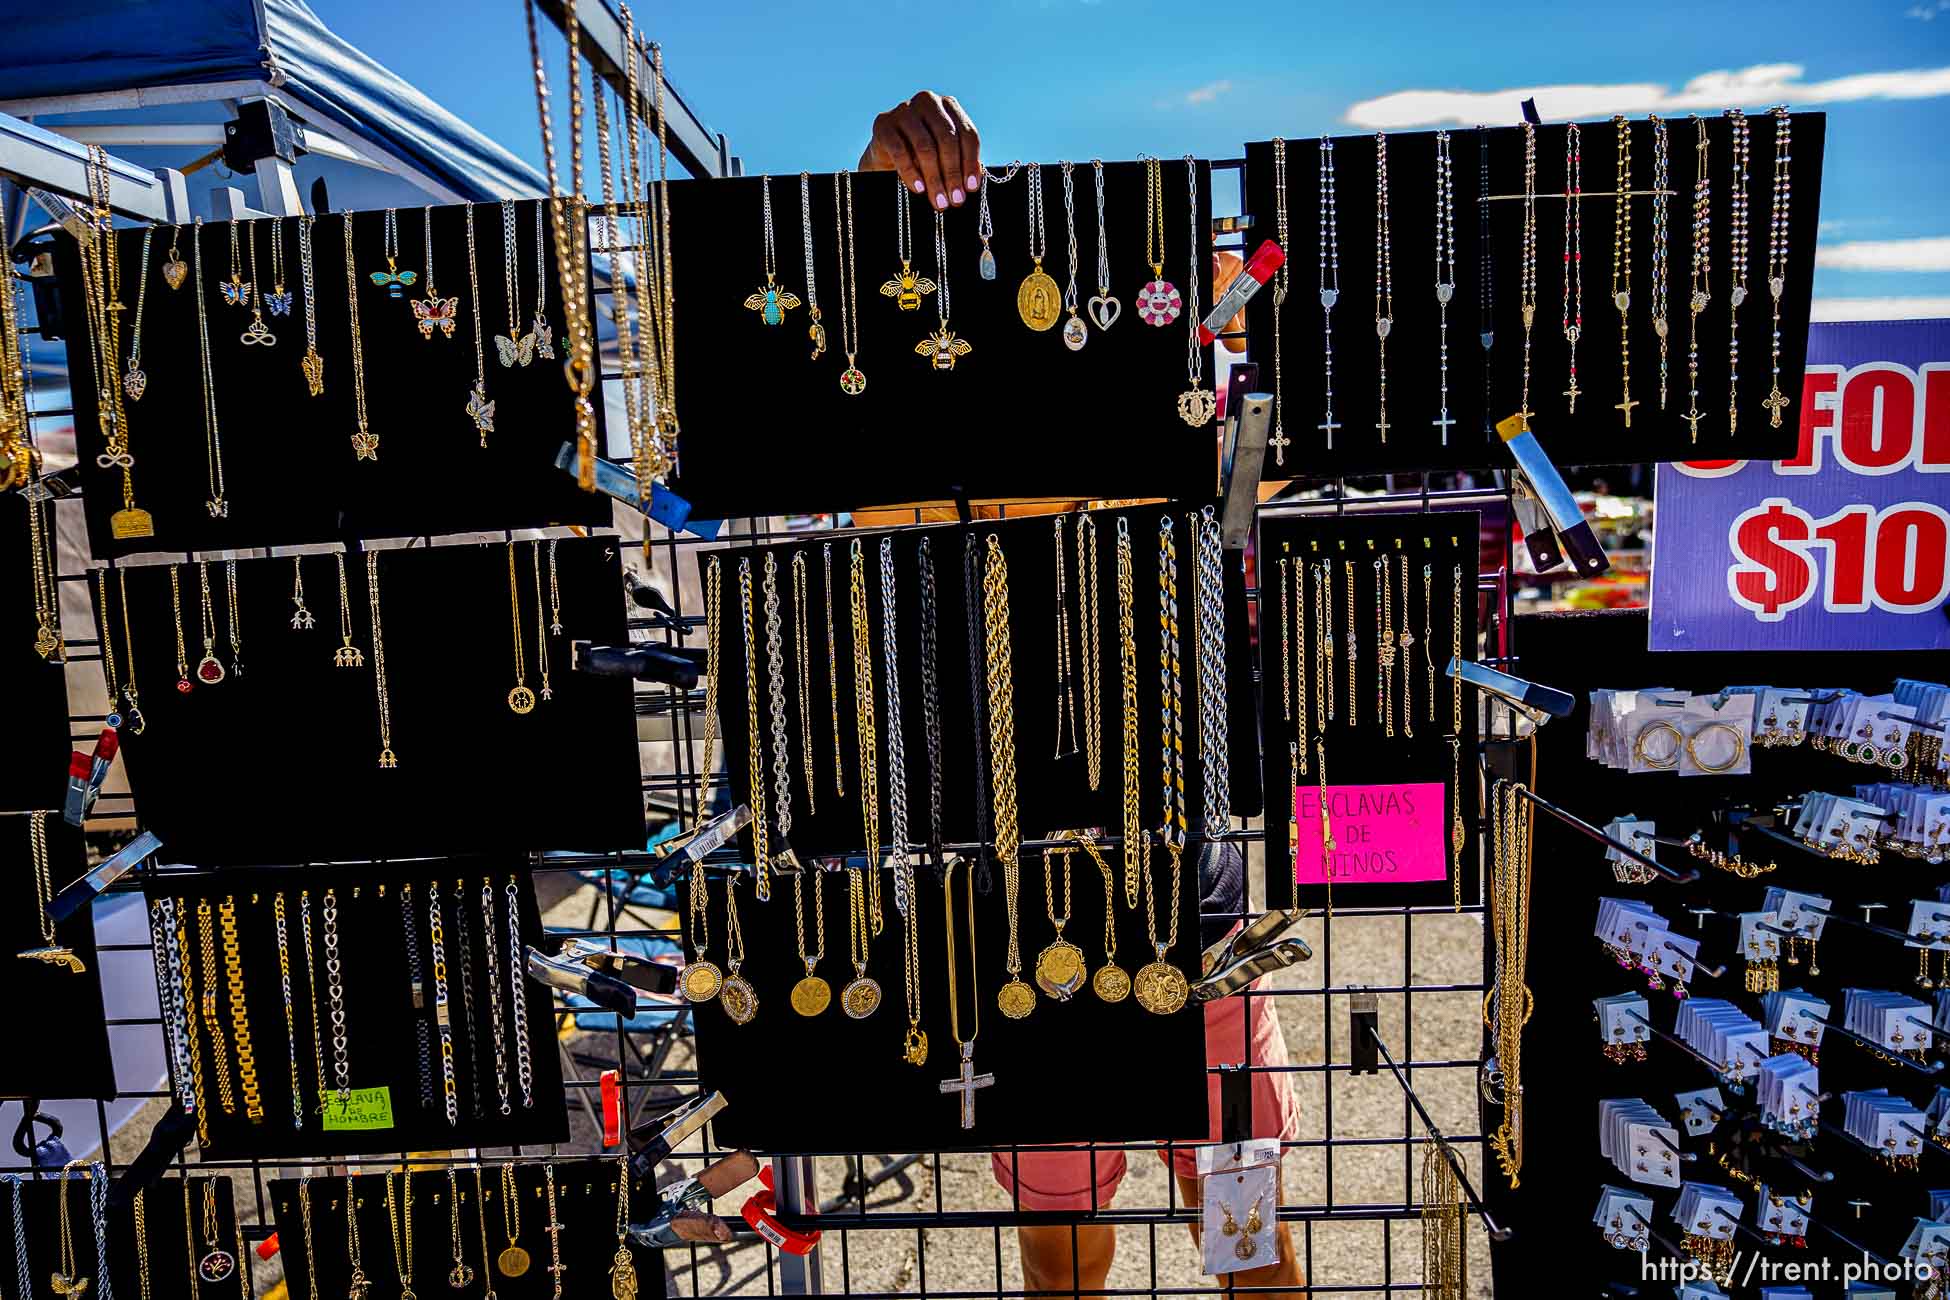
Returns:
(1389, 834)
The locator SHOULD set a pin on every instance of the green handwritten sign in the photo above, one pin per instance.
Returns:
(367, 1108)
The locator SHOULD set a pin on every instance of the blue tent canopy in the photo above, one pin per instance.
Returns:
(81, 47)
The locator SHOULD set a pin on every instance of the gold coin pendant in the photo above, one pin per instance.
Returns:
(1038, 301)
(1161, 988)
(811, 996)
(860, 998)
(1059, 970)
(739, 999)
(1111, 983)
(1016, 999)
(521, 700)
(702, 980)
(513, 1262)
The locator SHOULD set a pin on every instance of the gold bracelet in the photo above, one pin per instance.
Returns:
(1739, 746)
(207, 1005)
(233, 974)
(1671, 760)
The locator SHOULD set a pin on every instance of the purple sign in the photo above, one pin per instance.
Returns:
(1846, 546)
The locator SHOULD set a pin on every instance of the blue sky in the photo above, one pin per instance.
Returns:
(797, 86)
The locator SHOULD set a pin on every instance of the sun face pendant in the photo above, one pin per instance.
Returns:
(1158, 303)
(942, 349)
(772, 303)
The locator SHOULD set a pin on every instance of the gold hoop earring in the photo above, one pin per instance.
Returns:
(1641, 751)
(1739, 747)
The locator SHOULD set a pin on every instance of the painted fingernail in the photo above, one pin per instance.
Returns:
(919, 188)
(972, 180)
(956, 195)
(941, 201)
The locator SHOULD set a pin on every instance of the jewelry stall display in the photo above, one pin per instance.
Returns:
(370, 1053)
(362, 360)
(53, 965)
(177, 1237)
(1640, 208)
(521, 1230)
(384, 699)
(1399, 809)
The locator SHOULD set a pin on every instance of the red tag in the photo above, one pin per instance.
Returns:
(267, 1247)
(612, 1108)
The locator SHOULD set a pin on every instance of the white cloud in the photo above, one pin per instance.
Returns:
(1193, 98)
(1846, 309)
(1931, 254)
(1765, 83)
(1927, 11)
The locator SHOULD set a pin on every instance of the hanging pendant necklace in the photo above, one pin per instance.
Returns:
(514, 347)
(479, 409)
(231, 616)
(386, 756)
(1572, 317)
(174, 269)
(236, 290)
(1445, 269)
(771, 302)
(861, 996)
(365, 443)
(815, 331)
(1778, 211)
(1330, 279)
(393, 280)
(257, 333)
(183, 681)
(1160, 987)
(1737, 254)
(1661, 244)
(431, 311)
(1196, 404)
(209, 670)
(812, 994)
(967, 1083)
(1075, 333)
(1036, 297)
(347, 655)
(542, 331)
(985, 223)
(942, 348)
(1621, 262)
(217, 1264)
(906, 287)
(852, 382)
(1384, 273)
(217, 505)
(1527, 290)
(313, 365)
(134, 382)
(302, 619)
(520, 698)
(1486, 292)
(1060, 965)
(1702, 269)
(1104, 309)
(1279, 442)
(738, 998)
(1157, 302)
(278, 300)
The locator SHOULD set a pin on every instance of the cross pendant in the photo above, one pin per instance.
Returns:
(1444, 423)
(1776, 403)
(1525, 417)
(1625, 406)
(1328, 426)
(1383, 426)
(967, 1084)
(1692, 419)
(1572, 393)
(1279, 442)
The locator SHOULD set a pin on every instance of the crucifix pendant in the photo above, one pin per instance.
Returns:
(967, 1084)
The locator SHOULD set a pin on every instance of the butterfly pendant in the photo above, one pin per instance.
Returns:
(514, 352)
(544, 338)
(394, 282)
(431, 313)
(481, 411)
(278, 302)
(236, 292)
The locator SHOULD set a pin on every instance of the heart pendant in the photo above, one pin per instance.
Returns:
(1105, 310)
(175, 271)
(135, 384)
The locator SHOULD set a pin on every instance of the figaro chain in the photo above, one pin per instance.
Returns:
(930, 690)
(896, 749)
(1171, 729)
(863, 714)
(442, 1014)
(518, 997)
(1137, 847)
(1216, 783)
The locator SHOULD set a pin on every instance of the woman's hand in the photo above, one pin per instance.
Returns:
(932, 144)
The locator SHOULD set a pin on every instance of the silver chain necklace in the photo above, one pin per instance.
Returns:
(775, 700)
(518, 997)
(1384, 272)
(1212, 739)
(984, 223)
(1330, 278)
(491, 942)
(1445, 265)
(816, 332)
(896, 745)
(1196, 404)
(1104, 309)
(1075, 334)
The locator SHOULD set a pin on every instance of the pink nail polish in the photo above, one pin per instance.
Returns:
(956, 195)
(972, 182)
(920, 188)
(941, 201)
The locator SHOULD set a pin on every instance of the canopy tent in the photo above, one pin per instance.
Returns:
(82, 55)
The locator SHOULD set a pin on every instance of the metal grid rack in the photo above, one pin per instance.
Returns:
(1321, 1162)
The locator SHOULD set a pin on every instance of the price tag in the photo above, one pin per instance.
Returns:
(366, 1108)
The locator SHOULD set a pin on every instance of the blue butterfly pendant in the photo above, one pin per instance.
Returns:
(394, 282)
(772, 303)
(236, 292)
(278, 303)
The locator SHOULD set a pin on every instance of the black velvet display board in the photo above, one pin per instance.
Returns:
(1359, 750)
(916, 433)
(290, 474)
(163, 1217)
(1084, 1038)
(1595, 434)
(382, 1045)
(1566, 1073)
(585, 1208)
(34, 761)
(43, 997)
(280, 764)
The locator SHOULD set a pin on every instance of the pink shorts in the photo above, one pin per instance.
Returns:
(1063, 1180)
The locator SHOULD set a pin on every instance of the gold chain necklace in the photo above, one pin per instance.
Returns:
(714, 628)
(68, 1280)
(739, 999)
(1137, 845)
(761, 826)
(207, 1003)
(142, 1243)
(1404, 644)
(811, 995)
(1621, 265)
(365, 443)
(622, 1267)
(861, 996)
(1353, 642)
(1090, 650)
(217, 504)
(399, 1218)
(50, 952)
(1457, 834)
(461, 1274)
(1159, 986)
(386, 756)
(513, 1260)
(1110, 983)
(804, 666)
(101, 277)
(852, 382)
(1528, 284)
(520, 699)
(359, 1284)
(1510, 911)
(1016, 999)
(209, 670)
(865, 728)
(1060, 965)
(702, 979)
(347, 655)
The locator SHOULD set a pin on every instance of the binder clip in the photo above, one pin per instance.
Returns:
(587, 972)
